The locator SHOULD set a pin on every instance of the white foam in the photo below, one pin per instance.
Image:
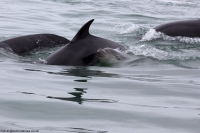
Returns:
(147, 51)
(127, 28)
(43, 61)
(153, 35)
(151, 51)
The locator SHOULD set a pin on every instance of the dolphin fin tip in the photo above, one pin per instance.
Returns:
(83, 32)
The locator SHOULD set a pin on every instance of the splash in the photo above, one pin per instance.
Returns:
(153, 35)
(42, 61)
(149, 50)
(189, 40)
(128, 28)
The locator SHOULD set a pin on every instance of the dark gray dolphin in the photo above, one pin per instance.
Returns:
(81, 50)
(187, 28)
(24, 44)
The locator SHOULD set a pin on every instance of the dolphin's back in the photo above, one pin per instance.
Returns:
(187, 28)
(81, 50)
(26, 43)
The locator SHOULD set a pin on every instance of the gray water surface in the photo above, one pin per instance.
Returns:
(158, 94)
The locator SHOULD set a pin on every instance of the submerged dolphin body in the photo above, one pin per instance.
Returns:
(24, 44)
(81, 50)
(187, 28)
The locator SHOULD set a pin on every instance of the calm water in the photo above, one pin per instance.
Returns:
(158, 94)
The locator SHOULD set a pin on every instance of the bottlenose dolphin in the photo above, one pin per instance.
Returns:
(81, 50)
(26, 43)
(186, 28)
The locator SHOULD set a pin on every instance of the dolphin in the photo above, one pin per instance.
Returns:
(26, 43)
(81, 50)
(186, 28)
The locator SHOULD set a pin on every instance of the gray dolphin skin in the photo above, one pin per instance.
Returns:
(81, 50)
(187, 28)
(24, 44)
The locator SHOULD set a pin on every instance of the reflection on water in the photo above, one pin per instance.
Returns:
(78, 72)
(77, 96)
(80, 100)
(82, 130)
(81, 80)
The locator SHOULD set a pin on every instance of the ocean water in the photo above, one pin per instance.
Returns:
(156, 94)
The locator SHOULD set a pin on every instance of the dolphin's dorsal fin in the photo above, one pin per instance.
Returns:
(83, 32)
